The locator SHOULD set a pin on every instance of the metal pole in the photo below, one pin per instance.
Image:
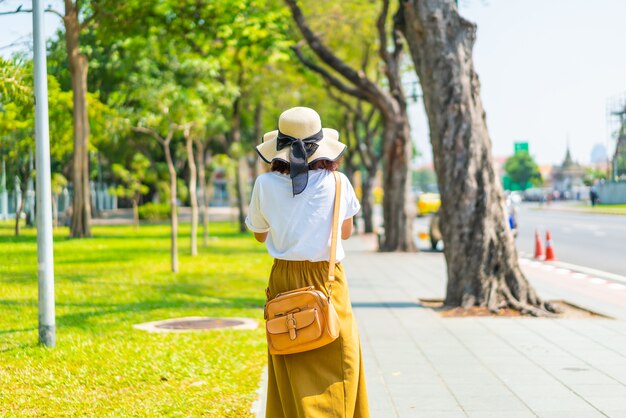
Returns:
(45, 262)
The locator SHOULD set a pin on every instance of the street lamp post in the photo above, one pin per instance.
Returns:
(45, 261)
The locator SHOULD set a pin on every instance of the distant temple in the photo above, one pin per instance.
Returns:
(568, 177)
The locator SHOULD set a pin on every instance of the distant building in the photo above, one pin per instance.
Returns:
(568, 177)
(599, 155)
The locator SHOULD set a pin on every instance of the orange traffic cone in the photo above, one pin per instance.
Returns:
(549, 251)
(538, 245)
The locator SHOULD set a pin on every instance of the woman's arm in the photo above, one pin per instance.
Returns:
(346, 229)
(261, 236)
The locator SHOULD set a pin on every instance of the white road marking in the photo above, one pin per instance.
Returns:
(562, 271)
(591, 272)
(578, 276)
(548, 267)
(617, 286)
(596, 280)
(524, 261)
(535, 263)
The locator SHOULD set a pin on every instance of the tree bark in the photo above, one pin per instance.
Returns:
(18, 214)
(174, 213)
(241, 174)
(482, 263)
(165, 143)
(55, 211)
(192, 190)
(204, 210)
(367, 201)
(136, 212)
(398, 211)
(81, 204)
(257, 163)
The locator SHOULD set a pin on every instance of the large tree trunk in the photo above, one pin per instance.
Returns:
(81, 205)
(204, 210)
(398, 212)
(482, 263)
(192, 192)
(174, 213)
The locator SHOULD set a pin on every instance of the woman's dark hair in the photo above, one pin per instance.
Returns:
(284, 167)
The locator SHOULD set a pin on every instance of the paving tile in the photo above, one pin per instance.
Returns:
(486, 401)
(415, 412)
(549, 403)
(615, 413)
(424, 402)
(571, 414)
(587, 390)
(504, 413)
(607, 402)
(421, 365)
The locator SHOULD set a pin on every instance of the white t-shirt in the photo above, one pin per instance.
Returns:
(300, 226)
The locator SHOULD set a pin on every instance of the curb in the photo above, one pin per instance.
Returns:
(590, 271)
(258, 406)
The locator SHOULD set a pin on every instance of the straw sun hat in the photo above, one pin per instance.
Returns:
(300, 140)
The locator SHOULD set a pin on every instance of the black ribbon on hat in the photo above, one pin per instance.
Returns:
(301, 150)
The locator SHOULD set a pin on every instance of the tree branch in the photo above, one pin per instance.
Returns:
(87, 21)
(359, 79)
(391, 61)
(339, 99)
(20, 10)
(332, 80)
(151, 132)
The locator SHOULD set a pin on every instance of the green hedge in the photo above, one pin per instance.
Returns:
(154, 211)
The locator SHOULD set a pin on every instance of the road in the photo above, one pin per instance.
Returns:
(581, 239)
(584, 239)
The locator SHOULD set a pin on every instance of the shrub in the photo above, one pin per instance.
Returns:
(154, 211)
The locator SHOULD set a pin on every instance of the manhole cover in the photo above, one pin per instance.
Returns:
(196, 323)
(206, 323)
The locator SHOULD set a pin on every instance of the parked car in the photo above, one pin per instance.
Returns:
(427, 203)
(534, 195)
(436, 238)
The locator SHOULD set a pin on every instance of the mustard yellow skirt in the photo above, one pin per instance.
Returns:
(325, 382)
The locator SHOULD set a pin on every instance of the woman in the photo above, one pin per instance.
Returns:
(291, 210)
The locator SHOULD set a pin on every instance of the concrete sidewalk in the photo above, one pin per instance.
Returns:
(419, 364)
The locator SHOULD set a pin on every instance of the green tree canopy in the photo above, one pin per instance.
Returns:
(522, 169)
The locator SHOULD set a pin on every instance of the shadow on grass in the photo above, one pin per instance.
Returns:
(18, 347)
(16, 330)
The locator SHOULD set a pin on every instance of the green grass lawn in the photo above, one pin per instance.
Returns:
(619, 209)
(102, 366)
(620, 206)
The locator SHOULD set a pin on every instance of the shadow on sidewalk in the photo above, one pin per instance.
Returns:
(388, 305)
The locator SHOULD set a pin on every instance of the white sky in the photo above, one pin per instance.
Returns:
(547, 68)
